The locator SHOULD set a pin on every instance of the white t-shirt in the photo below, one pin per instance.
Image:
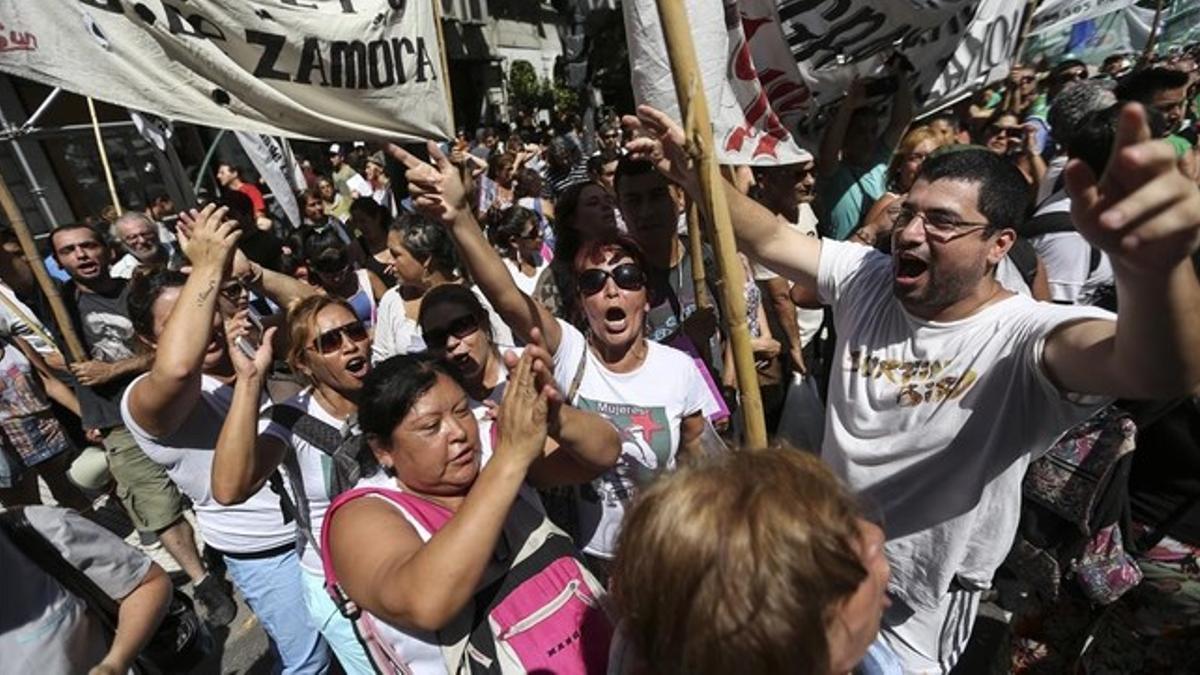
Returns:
(807, 320)
(1068, 258)
(647, 406)
(314, 466)
(934, 424)
(526, 284)
(397, 333)
(256, 524)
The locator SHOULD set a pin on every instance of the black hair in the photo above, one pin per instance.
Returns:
(1003, 192)
(454, 294)
(527, 183)
(508, 226)
(426, 240)
(73, 226)
(147, 284)
(388, 394)
(1092, 138)
(367, 207)
(322, 242)
(1141, 85)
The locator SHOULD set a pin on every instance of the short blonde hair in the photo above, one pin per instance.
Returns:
(737, 565)
(914, 137)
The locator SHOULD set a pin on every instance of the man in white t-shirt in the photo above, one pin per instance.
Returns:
(945, 385)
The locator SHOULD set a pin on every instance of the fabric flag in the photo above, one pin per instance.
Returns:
(787, 63)
(269, 159)
(345, 69)
(746, 127)
(1059, 14)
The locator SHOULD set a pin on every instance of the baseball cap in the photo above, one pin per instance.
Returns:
(335, 149)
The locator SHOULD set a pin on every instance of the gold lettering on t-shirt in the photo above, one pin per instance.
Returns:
(920, 381)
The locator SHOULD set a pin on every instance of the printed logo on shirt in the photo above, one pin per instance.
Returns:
(918, 381)
(110, 336)
(645, 446)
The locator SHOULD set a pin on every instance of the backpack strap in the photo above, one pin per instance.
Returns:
(575, 381)
(1048, 223)
(34, 544)
(311, 430)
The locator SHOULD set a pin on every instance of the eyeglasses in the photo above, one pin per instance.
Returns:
(331, 340)
(938, 225)
(460, 328)
(628, 277)
(532, 235)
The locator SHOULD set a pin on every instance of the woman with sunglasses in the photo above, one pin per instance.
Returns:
(517, 235)
(328, 346)
(1005, 135)
(652, 393)
(423, 259)
(328, 263)
(175, 413)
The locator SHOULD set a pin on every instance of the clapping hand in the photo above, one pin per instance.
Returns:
(207, 237)
(1143, 212)
(661, 141)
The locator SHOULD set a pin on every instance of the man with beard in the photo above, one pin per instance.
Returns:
(97, 302)
(140, 238)
(945, 385)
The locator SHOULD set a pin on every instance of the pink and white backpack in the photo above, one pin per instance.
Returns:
(537, 609)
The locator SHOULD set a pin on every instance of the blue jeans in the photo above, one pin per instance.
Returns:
(338, 631)
(273, 589)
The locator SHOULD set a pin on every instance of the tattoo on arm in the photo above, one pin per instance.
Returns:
(203, 297)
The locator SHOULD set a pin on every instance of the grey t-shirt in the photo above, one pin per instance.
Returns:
(43, 627)
(108, 336)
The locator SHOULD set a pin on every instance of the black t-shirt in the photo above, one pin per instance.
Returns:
(1166, 472)
(108, 336)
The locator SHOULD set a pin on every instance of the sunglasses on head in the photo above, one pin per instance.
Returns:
(627, 276)
(460, 328)
(331, 340)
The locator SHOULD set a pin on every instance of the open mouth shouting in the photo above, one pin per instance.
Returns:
(910, 269)
(615, 320)
(358, 367)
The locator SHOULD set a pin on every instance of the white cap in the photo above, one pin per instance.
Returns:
(360, 144)
(335, 149)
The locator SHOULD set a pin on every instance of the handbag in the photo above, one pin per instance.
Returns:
(179, 644)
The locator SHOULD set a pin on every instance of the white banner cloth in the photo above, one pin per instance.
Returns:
(299, 68)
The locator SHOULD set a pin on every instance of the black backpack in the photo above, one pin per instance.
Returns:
(180, 643)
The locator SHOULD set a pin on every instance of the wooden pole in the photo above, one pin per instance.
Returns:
(441, 37)
(696, 251)
(1154, 26)
(1030, 8)
(698, 129)
(29, 248)
(112, 187)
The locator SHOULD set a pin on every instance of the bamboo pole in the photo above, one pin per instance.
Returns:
(698, 129)
(112, 187)
(1154, 28)
(1030, 8)
(696, 251)
(29, 248)
(441, 37)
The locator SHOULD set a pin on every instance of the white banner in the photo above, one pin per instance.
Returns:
(299, 68)
(270, 160)
(1056, 14)
(746, 128)
(804, 53)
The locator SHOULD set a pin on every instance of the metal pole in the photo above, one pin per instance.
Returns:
(28, 124)
(212, 150)
(1150, 41)
(39, 193)
(689, 88)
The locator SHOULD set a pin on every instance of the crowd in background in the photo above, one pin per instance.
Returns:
(478, 384)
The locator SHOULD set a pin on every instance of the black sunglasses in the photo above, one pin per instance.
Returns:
(331, 340)
(459, 328)
(627, 276)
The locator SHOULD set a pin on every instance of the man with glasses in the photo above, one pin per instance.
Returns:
(97, 302)
(945, 385)
(140, 238)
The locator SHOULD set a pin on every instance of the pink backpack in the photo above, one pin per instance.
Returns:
(537, 611)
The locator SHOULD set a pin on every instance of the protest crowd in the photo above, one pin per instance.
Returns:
(479, 412)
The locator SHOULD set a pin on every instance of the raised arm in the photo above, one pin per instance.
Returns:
(243, 460)
(1145, 215)
(438, 192)
(903, 109)
(161, 401)
(760, 233)
(829, 152)
(424, 586)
